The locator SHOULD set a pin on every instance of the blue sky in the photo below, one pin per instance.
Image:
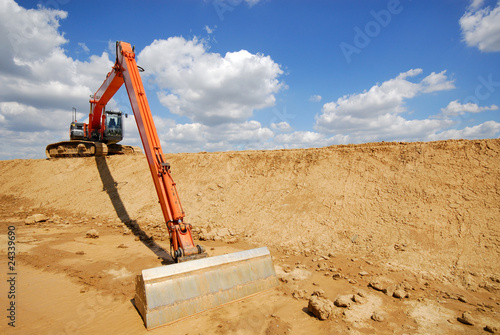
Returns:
(256, 74)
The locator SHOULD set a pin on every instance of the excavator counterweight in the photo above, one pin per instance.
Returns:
(197, 282)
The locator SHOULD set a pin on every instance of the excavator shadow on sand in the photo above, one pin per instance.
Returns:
(109, 185)
(195, 282)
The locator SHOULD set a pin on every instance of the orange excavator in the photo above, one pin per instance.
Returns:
(196, 282)
(99, 137)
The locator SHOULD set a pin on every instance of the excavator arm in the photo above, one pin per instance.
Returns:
(169, 293)
(98, 101)
(125, 71)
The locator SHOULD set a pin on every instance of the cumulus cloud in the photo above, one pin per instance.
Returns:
(23, 118)
(481, 27)
(207, 87)
(282, 127)
(299, 139)
(25, 145)
(476, 4)
(376, 114)
(308, 139)
(377, 110)
(36, 71)
(29, 34)
(39, 83)
(455, 108)
(435, 82)
(488, 129)
(190, 137)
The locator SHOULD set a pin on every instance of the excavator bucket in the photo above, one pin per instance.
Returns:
(169, 293)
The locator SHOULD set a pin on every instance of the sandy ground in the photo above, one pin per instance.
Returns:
(421, 217)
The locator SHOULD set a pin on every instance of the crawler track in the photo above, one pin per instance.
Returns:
(67, 149)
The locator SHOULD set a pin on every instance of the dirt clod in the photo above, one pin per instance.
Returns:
(400, 293)
(35, 218)
(378, 316)
(490, 329)
(378, 284)
(344, 300)
(320, 307)
(466, 318)
(92, 233)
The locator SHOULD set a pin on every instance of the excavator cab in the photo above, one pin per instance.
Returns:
(113, 131)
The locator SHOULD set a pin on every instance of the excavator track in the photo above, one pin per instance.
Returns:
(76, 149)
(67, 149)
(118, 149)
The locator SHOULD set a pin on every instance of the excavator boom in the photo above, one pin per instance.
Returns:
(171, 292)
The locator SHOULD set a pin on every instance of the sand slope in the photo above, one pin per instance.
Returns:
(439, 201)
(421, 208)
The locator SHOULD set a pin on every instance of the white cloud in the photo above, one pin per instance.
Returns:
(375, 115)
(436, 82)
(206, 87)
(301, 139)
(315, 98)
(488, 129)
(481, 27)
(308, 139)
(37, 71)
(193, 137)
(455, 108)
(476, 4)
(252, 3)
(38, 93)
(112, 47)
(84, 47)
(22, 118)
(282, 127)
(27, 35)
(39, 83)
(209, 30)
(26, 145)
(376, 111)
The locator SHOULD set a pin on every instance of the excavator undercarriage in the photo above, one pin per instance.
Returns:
(77, 148)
